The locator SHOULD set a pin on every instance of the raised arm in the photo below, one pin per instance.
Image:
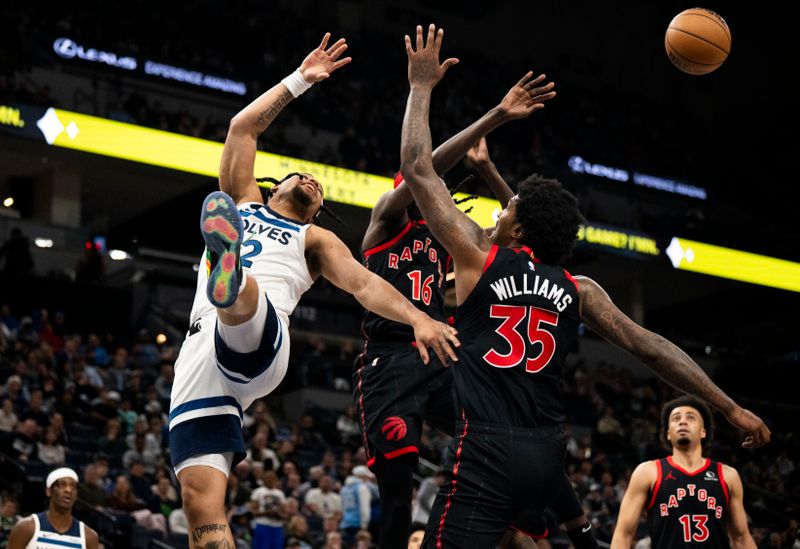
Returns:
(521, 100)
(478, 155)
(737, 518)
(664, 358)
(327, 255)
(464, 240)
(239, 154)
(633, 503)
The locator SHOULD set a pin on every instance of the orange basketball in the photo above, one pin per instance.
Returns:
(698, 41)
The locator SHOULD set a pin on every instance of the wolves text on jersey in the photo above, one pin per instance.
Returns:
(273, 233)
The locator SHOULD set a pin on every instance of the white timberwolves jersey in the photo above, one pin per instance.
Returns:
(273, 253)
(46, 537)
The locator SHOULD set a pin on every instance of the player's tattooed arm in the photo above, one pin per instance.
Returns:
(664, 358)
(239, 154)
(236, 175)
(463, 238)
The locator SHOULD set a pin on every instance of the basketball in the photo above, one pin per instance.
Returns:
(698, 41)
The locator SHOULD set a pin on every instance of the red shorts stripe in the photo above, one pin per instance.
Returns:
(453, 486)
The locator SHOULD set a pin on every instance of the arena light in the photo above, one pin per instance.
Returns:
(190, 154)
(118, 255)
(689, 255)
(8, 202)
(43, 242)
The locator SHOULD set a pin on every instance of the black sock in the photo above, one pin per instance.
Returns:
(395, 484)
(582, 537)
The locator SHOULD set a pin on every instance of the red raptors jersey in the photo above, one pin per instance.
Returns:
(688, 509)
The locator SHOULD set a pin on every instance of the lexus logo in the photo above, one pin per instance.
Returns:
(65, 48)
(69, 49)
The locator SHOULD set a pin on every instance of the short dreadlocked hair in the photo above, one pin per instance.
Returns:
(692, 402)
(275, 182)
(549, 217)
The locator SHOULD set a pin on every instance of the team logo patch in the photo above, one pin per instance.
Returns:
(394, 428)
(669, 476)
(711, 476)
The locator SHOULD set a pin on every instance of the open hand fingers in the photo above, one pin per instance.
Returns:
(423, 351)
(342, 62)
(420, 43)
(409, 49)
(535, 82)
(324, 43)
(525, 78)
(431, 40)
(337, 48)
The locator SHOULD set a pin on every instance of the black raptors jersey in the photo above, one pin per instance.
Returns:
(515, 330)
(688, 509)
(416, 265)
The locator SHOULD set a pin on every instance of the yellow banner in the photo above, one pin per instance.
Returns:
(712, 260)
(189, 154)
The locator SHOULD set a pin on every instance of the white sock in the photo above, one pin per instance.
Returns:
(246, 337)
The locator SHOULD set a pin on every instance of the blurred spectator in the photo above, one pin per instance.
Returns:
(8, 419)
(91, 490)
(348, 426)
(166, 496)
(22, 444)
(426, 493)
(14, 392)
(356, 503)
(35, 409)
(141, 455)
(50, 451)
(16, 256)
(297, 529)
(323, 501)
(112, 443)
(122, 498)
(267, 521)
(8, 517)
(417, 535)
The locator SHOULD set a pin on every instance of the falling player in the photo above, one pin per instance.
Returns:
(518, 312)
(690, 500)
(260, 259)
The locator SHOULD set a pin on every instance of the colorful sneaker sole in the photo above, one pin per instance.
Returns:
(222, 230)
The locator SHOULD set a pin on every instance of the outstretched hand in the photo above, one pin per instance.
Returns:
(757, 434)
(526, 96)
(320, 63)
(441, 337)
(424, 68)
(478, 154)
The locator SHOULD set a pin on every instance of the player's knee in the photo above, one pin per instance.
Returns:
(198, 502)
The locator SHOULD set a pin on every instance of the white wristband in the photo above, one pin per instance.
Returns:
(296, 83)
